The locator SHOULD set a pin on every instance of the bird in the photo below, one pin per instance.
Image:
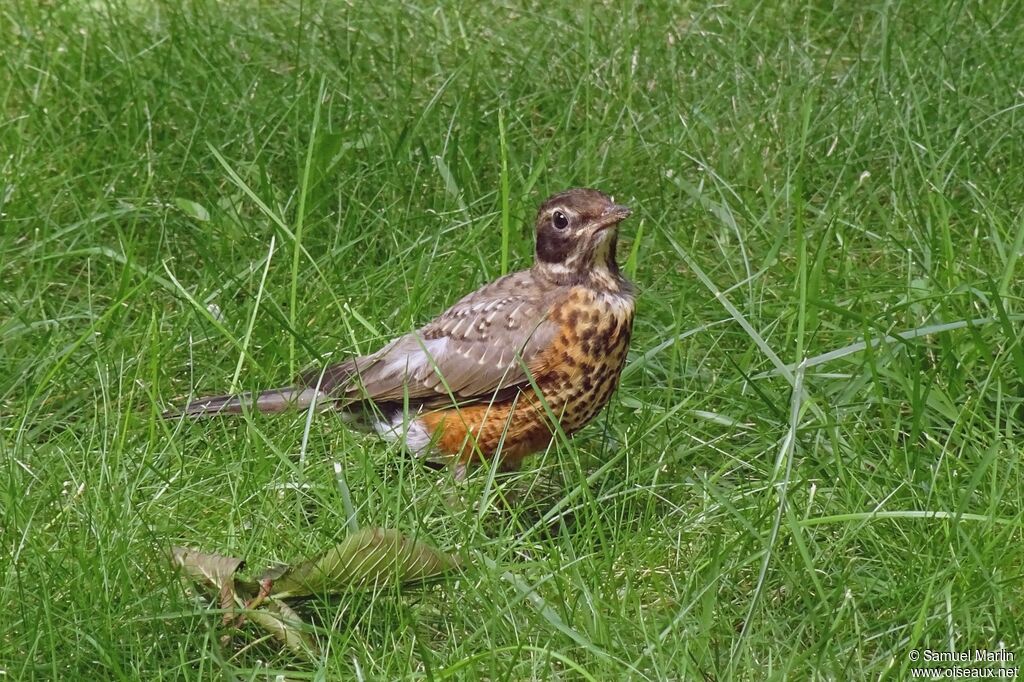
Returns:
(504, 369)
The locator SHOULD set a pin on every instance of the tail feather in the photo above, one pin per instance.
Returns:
(274, 400)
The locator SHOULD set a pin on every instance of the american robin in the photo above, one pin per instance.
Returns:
(491, 375)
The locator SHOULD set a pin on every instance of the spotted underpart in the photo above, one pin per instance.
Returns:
(575, 375)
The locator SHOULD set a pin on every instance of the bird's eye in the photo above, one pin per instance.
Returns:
(559, 220)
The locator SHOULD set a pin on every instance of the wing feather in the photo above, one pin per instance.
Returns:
(484, 343)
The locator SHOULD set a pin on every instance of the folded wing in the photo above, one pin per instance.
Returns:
(486, 342)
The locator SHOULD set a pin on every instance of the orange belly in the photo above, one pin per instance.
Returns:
(516, 428)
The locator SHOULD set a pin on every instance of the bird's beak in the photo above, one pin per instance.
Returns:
(613, 215)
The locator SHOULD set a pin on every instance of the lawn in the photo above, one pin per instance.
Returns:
(812, 469)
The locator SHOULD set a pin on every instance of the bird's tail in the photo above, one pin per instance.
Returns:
(274, 400)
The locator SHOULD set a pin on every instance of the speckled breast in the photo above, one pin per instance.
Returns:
(584, 363)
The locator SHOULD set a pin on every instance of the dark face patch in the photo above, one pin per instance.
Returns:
(553, 245)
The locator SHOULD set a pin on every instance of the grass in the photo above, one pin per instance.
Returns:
(199, 194)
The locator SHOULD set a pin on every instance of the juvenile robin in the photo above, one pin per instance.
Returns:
(491, 375)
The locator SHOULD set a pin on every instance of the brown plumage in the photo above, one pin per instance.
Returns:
(498, 365)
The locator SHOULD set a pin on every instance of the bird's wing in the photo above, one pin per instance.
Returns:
(484, 343)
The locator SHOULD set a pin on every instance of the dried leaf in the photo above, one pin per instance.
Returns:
(284, 624)
(214, 571)
(368, 557)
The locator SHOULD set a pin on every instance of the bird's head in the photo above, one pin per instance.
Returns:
(577, 232)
